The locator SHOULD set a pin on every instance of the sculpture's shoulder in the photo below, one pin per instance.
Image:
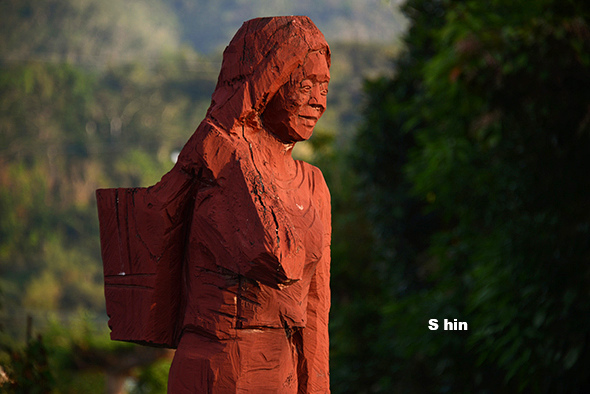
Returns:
(211, 148)
(319, 189)
(316, 179)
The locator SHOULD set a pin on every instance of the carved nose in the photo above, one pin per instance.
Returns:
(316, 99)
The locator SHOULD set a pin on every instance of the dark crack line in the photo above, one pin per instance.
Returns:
(258, 194)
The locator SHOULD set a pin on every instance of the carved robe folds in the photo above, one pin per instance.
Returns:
(227, 258)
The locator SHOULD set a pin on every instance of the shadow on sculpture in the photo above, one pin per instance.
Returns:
(227, 257)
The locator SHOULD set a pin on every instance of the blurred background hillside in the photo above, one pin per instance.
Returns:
(455, 146)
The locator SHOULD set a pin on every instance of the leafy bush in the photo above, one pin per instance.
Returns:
(474, 164)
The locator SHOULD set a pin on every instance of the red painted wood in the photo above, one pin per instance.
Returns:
(228, 256)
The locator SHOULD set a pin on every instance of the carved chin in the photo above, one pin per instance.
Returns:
(292, 129)
(306, 122)
(303, 129)
(302, 133)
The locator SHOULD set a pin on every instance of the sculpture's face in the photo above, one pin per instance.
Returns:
(294, 110)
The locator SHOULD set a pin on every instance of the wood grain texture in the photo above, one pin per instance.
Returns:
(227, 258)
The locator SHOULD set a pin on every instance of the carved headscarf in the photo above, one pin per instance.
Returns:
(258, 61)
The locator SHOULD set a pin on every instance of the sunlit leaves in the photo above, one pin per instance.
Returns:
(491, 100)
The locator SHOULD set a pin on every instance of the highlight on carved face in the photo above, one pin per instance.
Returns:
(295, 109)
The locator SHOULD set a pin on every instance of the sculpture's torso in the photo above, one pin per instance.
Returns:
(220, 300)
(252, 282)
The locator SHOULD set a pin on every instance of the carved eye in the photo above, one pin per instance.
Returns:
(306, 86)
(324, 89)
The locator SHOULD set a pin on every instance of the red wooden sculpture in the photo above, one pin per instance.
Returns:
(227, 258)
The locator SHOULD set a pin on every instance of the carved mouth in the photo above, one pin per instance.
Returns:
(309, 117)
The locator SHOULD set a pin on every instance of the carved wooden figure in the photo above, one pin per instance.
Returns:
(227, 258)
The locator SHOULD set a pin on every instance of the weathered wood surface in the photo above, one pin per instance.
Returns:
(228, 256)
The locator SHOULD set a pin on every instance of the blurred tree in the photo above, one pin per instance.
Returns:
(153, 379)
(29, 371)
(86, 32)
(473, 158)
(209, 25)
(66, 131)
(97, 94)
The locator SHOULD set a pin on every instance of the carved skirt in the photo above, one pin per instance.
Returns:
(256, 361)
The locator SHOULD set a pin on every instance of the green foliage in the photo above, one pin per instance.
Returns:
(29, 371)
(88, 32)
(66, 132)
(473, 159)
(73, 356)
(153, 379)
(68, 343)
(209, 25)
(102, 94)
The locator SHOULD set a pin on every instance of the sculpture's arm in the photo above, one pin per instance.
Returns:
(315, 340)
(315, 334)
(143, 232)
(148, 221)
